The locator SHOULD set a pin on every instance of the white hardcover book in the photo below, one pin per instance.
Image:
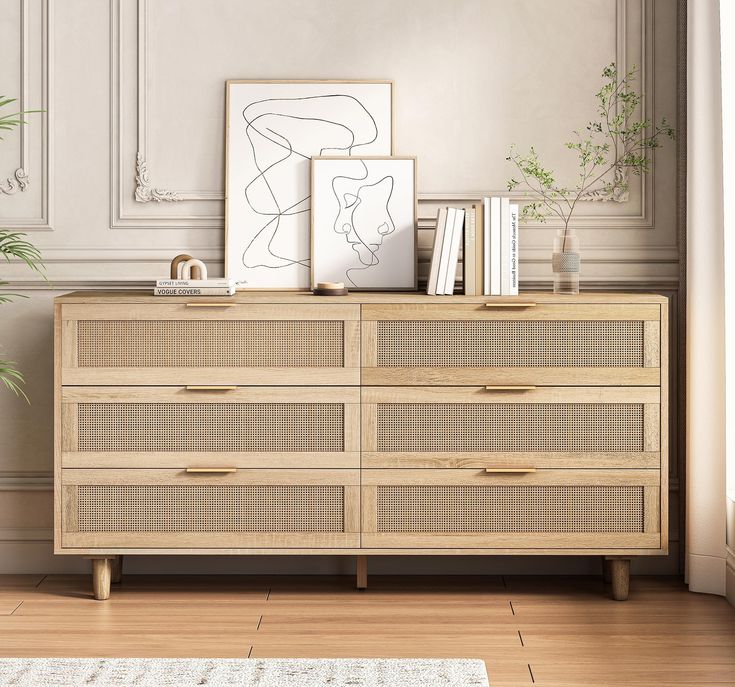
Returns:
(446, 244)
(486, 246)
(201, 283)
(505, 246)
(433, 280)
(514, 253)
(459, 217)
(469, 265)
(193, 291)
(495, 246)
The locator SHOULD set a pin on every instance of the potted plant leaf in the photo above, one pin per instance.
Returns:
(616, 142)
(15, 246)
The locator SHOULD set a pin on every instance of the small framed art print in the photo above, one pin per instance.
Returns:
(363, 222)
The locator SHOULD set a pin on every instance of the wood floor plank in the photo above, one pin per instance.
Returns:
(567, 629)
(13, 582)
(9, 603)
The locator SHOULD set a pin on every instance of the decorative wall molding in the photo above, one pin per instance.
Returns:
(38, 481)
(144, 191)
(18, 182)
(147, 191)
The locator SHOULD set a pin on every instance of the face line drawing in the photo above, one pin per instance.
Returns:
(371, 248)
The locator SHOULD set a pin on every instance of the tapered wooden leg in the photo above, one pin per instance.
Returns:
(362, 572)
(620, 574)
(606, 574)
(117, 568)
(101, 578)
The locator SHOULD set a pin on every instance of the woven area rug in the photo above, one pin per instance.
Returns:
(256, 672)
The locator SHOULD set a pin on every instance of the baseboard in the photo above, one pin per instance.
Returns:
(17, 557)
(706, 574)
(730, 577)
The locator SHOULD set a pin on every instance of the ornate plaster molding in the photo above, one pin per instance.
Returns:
(144, 190)
(617, 192)
(18, 182)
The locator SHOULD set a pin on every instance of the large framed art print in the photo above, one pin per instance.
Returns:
(274, 128)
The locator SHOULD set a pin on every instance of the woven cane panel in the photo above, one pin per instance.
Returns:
(290, 427)
(210, 343)
(509, 509)
(518, 343)
(201, 508)
(509, 427)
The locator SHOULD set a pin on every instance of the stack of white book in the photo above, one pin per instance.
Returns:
(500, 247)
(445, 256)
(194, 287)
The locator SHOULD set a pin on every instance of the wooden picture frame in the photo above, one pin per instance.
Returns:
(267, 215)
(382, 255)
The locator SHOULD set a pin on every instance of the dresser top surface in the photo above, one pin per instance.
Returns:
(306, 297)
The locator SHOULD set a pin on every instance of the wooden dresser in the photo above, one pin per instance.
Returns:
(368, 424)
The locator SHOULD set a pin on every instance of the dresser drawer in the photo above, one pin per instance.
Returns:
(544, 427)
(542, 344)
(179, 427)
(243, 509)
(210, 343)
(548, 509)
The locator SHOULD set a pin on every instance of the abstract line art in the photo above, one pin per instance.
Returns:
(278, 136)
(363, 221)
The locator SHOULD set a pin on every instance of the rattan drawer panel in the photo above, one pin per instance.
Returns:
(543, 427)
(553, 509)
(177, 427)
(173, 344)
(281, 508)
(550, 344)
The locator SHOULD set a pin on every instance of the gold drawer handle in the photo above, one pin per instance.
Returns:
(210, 470)
(201, 387)
(511, 387)
(510, 471)
(210, 305)
(510, 304)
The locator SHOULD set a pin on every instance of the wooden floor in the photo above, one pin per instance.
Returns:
(559, 632)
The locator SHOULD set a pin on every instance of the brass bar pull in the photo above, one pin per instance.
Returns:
(210, 305)
(511, 304)
(510, 471)
(210, 470)
(510, 387)
(208, 387)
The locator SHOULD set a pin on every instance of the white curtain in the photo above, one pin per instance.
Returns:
(727, 32)
(706, 426)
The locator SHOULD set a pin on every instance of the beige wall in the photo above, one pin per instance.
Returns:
(123, 78)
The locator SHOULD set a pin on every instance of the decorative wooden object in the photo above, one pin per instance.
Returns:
(330, 288)
(376, 424)
(179, 259)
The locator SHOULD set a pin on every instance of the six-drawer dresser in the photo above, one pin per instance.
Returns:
(370, 424)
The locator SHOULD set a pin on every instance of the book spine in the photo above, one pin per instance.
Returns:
(433, 279)
(505, 246)
(201, 283)
(486, 257)
(514, 254)
(446, 247)
(495, 246)
(468, 254)
(459, 217)
(192, 291)
(479, 250)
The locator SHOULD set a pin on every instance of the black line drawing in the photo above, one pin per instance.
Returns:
(363, 218)
(283, 133)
